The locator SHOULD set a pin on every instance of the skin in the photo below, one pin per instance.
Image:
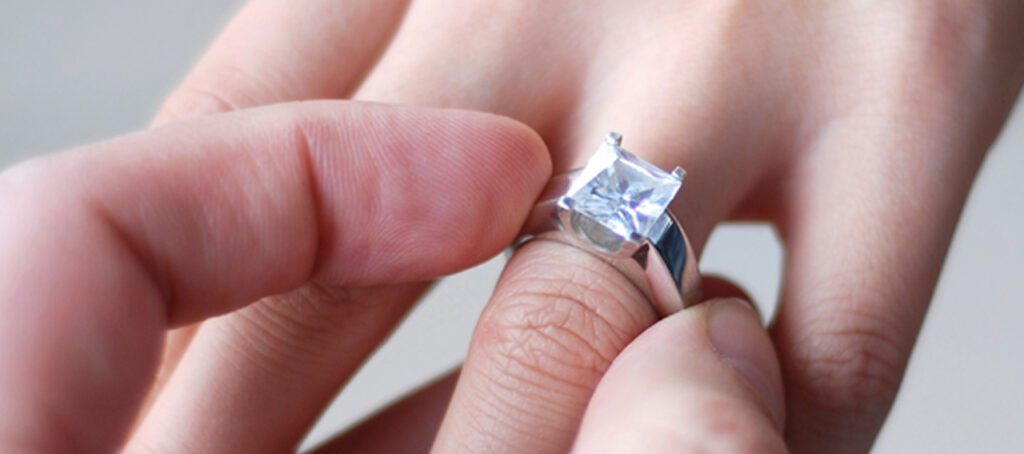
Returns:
(854, 128)
(105, 251)
(286, 199)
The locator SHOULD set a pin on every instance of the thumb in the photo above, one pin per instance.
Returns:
(704, 379)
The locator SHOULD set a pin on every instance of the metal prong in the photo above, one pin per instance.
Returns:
(613, 138)
(679, 173)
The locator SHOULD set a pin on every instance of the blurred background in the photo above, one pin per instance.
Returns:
(75, 72)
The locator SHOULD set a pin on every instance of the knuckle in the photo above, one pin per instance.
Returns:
(562, 325)
(852, 372)
(552, 334)
(851, 361)
(547, 335)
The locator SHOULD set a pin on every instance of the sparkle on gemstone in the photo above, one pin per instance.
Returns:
(620, 192)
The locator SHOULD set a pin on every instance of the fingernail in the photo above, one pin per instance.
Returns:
(742, 342)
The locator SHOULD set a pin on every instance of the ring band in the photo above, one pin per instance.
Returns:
(617, 208)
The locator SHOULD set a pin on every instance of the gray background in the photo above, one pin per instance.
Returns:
(73, 72)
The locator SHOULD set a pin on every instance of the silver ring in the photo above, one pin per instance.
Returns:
(617, 208)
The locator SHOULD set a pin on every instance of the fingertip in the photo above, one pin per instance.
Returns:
(453, 186)
(525, 146)
(501, 165)
(700, 370)
(505, 154)
(721, 331)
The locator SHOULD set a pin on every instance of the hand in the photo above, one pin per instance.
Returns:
(855, 128)
(105, 247)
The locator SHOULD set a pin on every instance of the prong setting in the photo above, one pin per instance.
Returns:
(618, 198)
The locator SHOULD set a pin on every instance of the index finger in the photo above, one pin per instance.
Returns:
(106, 247)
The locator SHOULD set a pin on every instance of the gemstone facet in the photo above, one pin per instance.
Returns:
(619, 197)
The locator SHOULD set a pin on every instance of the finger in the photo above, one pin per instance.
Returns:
(424, 409)
(257, 379)
(419, 414)
(265, 200)
(274, 51)
(557, 318)
(863, 260)
(702, 380)
(867, 236)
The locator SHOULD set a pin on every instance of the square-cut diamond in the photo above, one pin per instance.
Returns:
(621, 192)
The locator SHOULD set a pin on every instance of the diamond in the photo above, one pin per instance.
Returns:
(619, 197)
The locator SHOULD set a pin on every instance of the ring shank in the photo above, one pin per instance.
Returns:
(673, 257)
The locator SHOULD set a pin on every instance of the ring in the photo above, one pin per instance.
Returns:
(617, 208)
